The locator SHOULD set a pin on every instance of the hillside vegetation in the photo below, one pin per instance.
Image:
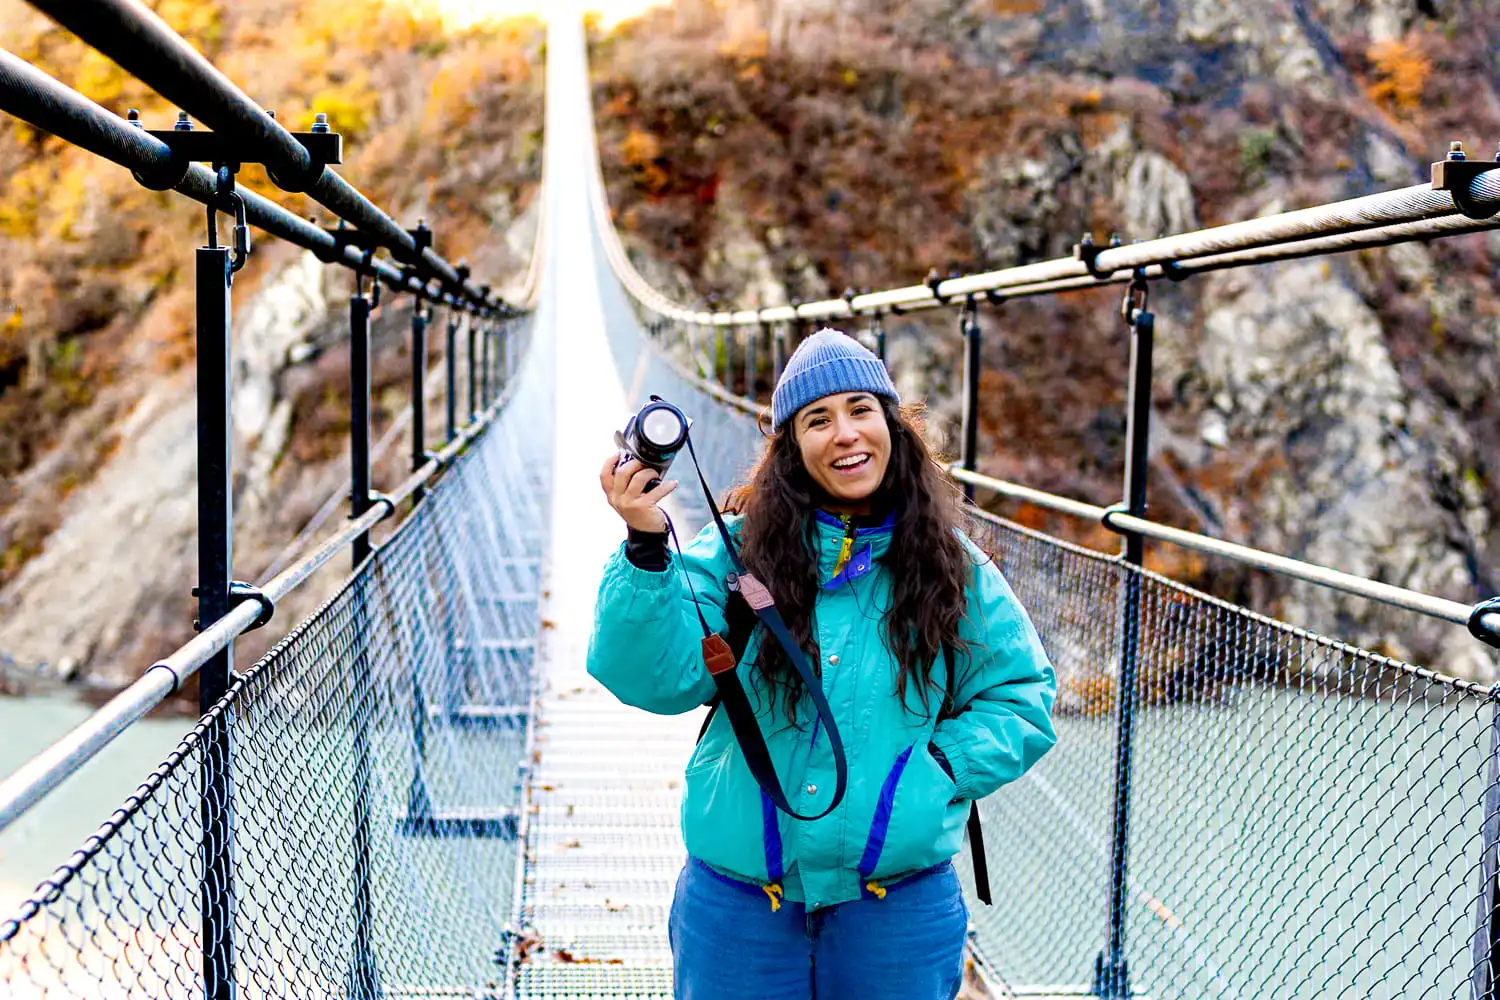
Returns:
(1343, 410)
(96, 290)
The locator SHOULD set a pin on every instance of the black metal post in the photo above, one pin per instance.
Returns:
(968, 325)
(1485, 971)
(450, 364)
(215, 559)
(878, 328)
(778, 352)
(753, 343)
(419, 319)
(359, 417)
(363, 975)
(1111, 976)
(471, 323)
(503, 333)
(484, 367)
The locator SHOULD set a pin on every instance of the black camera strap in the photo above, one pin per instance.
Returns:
(723, 668)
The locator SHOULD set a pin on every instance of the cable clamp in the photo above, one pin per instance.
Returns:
(1456, 176)
(1478, 629)
(1110, 513)
(240, 592)
(1087, 252)
(377, 498)
(932, 282)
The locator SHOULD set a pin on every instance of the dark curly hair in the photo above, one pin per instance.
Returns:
(929, 566)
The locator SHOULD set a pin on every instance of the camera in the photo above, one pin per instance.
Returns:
(654, 435)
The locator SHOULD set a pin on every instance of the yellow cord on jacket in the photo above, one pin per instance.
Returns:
(774, 891)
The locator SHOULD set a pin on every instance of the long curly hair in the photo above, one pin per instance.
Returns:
(929, 566)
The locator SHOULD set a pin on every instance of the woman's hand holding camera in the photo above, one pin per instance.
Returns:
(625, 489)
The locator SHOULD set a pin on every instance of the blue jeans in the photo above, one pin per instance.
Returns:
(727, 943)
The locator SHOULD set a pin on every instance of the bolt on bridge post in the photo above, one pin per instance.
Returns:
(215, 559)
(1111, 975)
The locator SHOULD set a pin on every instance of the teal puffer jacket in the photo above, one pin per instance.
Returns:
(902, 811)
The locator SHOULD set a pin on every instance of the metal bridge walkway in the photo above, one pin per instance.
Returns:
(603, 846)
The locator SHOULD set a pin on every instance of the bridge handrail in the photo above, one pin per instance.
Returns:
(38, 777)
(34, 97)
(1401, 216)
(149, 49)
(1117, 520)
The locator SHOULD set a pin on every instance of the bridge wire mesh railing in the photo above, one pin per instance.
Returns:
(1305, 817)
(422, 665)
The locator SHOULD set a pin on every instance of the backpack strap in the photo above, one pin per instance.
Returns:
(976, 830)
(741, 624)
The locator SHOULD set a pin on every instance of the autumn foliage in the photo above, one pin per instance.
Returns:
(96, 288)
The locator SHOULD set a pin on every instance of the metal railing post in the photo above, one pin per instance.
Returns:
(363, 974)
(506, 335)
(877, 327)
(1111, 976)
(1486, 943)
(215, 558)
(484, 366)
(450, 365)
(968, 326)
(755, 342)
(359, 417)
(778, 353)
(419, 319)
(471, 322)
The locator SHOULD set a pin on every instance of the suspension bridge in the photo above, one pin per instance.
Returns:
(419, 792)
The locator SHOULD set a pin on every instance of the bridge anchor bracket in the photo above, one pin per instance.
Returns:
(1456, 176)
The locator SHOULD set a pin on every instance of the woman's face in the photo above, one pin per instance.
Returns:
(846, 446)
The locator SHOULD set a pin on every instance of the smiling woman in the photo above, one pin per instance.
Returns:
(821, 872)
(466, 13)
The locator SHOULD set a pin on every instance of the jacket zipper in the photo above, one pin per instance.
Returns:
(848, 546)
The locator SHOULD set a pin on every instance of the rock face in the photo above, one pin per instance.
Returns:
(1339, 410)
(116, 574)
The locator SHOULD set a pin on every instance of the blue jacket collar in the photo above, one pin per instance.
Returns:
(871, 542)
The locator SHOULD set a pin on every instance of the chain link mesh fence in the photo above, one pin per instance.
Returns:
(370, 767)
(1305, 815)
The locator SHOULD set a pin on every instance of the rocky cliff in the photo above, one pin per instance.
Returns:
(1340, 410)
(97, 448)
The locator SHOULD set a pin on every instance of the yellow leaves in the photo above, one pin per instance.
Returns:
(1015, 8)
(99, 79)
(201, 22)
(23, 196)
(1401, 69)
(350, 106)
(640, 148)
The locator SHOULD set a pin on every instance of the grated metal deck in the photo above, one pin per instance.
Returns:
(603, 847)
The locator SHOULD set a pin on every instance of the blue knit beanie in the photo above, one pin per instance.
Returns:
(826, 363)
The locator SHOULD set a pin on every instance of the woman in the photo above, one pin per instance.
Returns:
(854, 529)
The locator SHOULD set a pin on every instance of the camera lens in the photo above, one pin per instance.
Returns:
(661, 427)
